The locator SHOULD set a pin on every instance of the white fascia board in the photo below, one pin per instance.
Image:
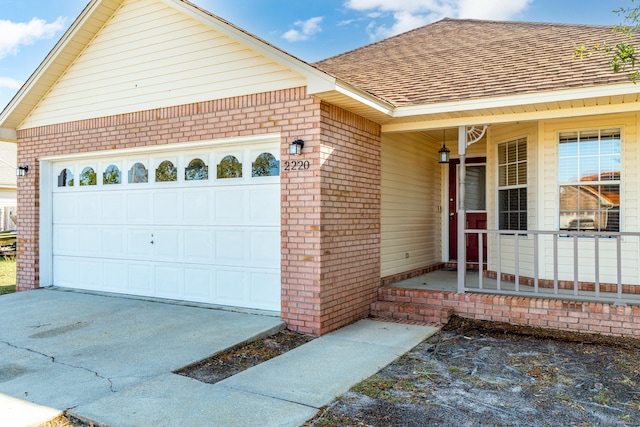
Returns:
(485, 119)
(8, 135)
(516, 100)
(365, 98)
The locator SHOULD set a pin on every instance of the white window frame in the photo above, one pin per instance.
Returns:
(599, 182)
(513, 185)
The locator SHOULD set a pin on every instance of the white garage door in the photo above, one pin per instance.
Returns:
(190, 225)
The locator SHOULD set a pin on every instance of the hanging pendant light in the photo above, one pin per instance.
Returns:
(443, 153)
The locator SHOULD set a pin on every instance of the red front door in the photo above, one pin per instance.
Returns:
(476, 207)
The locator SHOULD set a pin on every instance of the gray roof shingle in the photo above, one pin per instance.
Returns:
(456, 60)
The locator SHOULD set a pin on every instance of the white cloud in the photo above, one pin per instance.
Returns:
(500, 10)
(16, 34)
(9, 83)
(306, 29)
(410, 14)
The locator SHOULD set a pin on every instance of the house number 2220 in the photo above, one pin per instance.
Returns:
(297, 165)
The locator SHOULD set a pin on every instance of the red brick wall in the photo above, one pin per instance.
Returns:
(330, 212)
(350, 212)
(434, 306)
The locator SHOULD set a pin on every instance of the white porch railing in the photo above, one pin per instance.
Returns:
(575, 265)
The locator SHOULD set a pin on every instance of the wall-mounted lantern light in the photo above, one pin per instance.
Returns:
(295, 149)
(443, 153)
(22, 170)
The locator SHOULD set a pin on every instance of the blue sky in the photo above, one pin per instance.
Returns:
(308, 29)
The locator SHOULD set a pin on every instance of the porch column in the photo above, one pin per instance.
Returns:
(466, 137)
(462, 216)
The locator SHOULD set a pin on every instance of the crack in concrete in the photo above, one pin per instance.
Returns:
(53, 360)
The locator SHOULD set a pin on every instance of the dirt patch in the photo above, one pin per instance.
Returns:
(65, 421)
(236, 360)
(477, 373)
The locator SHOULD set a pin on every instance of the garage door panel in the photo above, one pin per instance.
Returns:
(139, 277)
(113, 242)
(138, 207)
(89, 273)
(210, 240)
(166, 207)
(65, 273)
(230, 247)
(265, 248)
(197, 207)
(230, 287)
(230, 206)
(264, 205)
(168, 282)
(65, 210)
(65, 239)
(198, 284)
(113, 207)
(139, 243)
(89, 209)
(89, 240)
(167, 244)
(114, 276)
(265, 290)
(198, 245)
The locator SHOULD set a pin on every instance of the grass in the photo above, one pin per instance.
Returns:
(7, 275)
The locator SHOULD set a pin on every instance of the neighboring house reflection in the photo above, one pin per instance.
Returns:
(591, 207)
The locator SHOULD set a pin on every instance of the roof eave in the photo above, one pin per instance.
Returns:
(8, 135)
(488, 110)
(355, 100)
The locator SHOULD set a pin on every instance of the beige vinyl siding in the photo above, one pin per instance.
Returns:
(148, 56)
(629, 206)
(498, 135)
(411, 192)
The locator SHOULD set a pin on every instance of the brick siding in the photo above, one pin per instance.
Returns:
(435, 306)
(326, 282)
(350, 211)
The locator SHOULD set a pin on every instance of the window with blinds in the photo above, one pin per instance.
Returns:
(589, 180)
(512, 185)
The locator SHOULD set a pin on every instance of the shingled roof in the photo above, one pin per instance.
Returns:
(456, 60)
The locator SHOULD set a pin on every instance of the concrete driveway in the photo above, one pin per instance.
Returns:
(62, 350)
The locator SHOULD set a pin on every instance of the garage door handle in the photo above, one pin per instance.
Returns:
(151, 239)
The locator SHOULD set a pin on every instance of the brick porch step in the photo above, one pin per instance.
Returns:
(410, 304)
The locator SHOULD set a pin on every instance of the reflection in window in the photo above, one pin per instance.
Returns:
(138, 174)
(166, 172)
(88, 177)
(111, 175)
(196, 171)
(229, 167)
(65, 179)
(265, 165)
(589, 171)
